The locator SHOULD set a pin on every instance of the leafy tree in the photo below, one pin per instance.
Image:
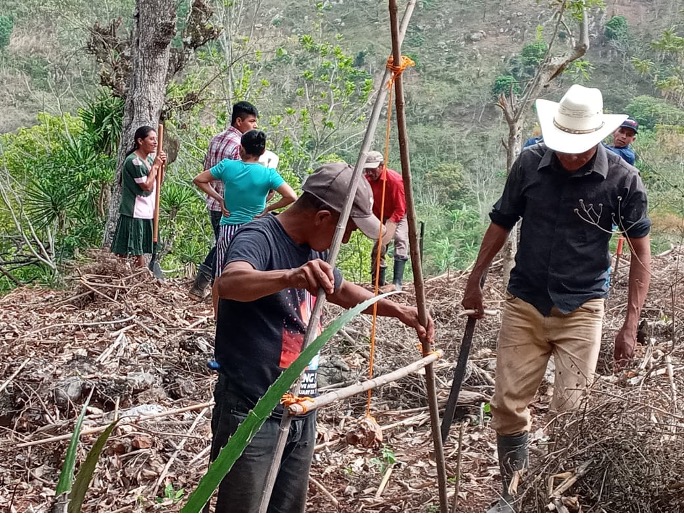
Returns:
(667, 69)
(447, 183)
(326, 102)
(522, 67)
(237, 54)
(6, 27)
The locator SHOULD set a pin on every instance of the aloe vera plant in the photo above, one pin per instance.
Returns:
(66, 475)
(70, 491)
(87, 470)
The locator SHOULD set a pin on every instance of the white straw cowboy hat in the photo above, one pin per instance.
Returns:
(577, 123)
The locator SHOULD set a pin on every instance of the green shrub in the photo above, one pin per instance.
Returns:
(102, 118)
(447, 182)
(533, 53)
(452, 237)
(650, 111)
(616, 28)
(37, 67)
(60, 185)
(504, 84)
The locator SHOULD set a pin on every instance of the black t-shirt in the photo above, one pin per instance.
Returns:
(256, 340)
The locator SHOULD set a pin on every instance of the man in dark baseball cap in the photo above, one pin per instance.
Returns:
(330, 184)
(275, 268)
(623, 137)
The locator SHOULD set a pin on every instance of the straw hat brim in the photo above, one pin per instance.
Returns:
(566, 142)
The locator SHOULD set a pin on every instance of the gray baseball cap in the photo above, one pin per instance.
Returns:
(331, 182)
(373, 160)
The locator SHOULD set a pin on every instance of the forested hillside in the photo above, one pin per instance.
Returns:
(60, 127)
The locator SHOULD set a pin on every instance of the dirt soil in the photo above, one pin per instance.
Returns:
(141, 346)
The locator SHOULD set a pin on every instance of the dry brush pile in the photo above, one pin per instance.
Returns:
(141, 346)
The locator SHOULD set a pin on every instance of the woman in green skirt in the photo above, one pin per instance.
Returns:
(133, 234)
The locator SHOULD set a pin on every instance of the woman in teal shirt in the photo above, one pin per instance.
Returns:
(247, 184)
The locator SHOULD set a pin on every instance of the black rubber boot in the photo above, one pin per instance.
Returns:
(399, 265)
(202, 281)
(383, 273)
(513, 456)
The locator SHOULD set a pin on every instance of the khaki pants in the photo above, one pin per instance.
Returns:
(526, 341)
(400, 240)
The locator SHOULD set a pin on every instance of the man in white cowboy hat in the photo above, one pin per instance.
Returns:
(569, 191)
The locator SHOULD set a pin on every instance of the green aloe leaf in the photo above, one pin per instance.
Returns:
(66, 476)
(87, 469)
(262, 410)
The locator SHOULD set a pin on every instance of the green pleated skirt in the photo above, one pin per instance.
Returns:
(133, 236)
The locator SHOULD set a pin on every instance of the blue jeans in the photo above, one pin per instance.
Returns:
(210, 259)
(242, 487)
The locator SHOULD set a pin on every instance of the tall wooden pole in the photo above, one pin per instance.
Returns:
(416, 259)
(157, 188)
(310, 335)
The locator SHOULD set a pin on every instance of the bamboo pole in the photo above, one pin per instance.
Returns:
(416, 261)
(332, 257)
(321, 401)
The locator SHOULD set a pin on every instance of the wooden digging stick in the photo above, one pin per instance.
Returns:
(160, 146)
(332, 257)
(154, 266)
(416, 260)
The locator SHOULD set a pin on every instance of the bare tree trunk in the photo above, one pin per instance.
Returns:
(154, 27)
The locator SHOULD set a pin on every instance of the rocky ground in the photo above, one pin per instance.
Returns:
(140, 346)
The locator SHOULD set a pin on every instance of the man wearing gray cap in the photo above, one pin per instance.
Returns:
(274, 269)
(569, 190)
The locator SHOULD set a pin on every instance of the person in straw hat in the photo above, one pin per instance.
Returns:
(569, 191)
